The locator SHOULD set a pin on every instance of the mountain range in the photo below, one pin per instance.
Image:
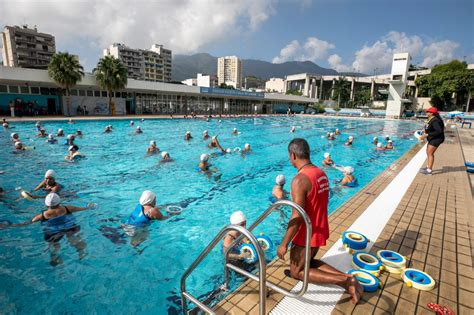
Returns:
(186, 67)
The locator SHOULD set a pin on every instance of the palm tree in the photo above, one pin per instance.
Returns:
(66, 71)
(111, 75)
(340, 89)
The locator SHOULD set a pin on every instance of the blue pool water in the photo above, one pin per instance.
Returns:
(115, 277)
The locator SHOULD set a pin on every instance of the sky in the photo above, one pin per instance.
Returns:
(346, 35)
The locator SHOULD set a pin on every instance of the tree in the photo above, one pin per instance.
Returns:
(294, 92)
(225, 86)
(66, 71)
(111, 75)
(341, 90)
(362, 97)
(445, 83)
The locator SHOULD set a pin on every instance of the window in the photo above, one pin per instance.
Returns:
(82, 93)
(35, 90)
(44, 91)
(13, 89)
(90, 93)
(97, 93)
(104, 93)
(3, 89)
(74, 92)
(24, 90)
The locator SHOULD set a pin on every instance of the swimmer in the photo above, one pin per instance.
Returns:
(349, 179)
(108, 129)
(337, 133)
(6, 125)
(165, 157)
(278, 191)
(235, 132)
(389, 145)
(328, 134)
(246, 148)
(188, 136)
(79, 132)
(215, 144)
(42, 134)
(204, 165)
(205, 135)
(73, 149)
(15, 137)
(152, 149)
(138, 130)
(60, 133)
(70, 140)
(19, 146)
(142, 120)
(375, 140)
(38, 125)
(145, 211)
(380, 147)
(327, 160)
(387, 137)
(51, 139)
(70, 121)
(331, 136)
(293, 129)
(48, 184)
(237, 218)
(132, 123)
(349, 141)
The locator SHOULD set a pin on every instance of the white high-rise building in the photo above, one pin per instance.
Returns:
(229, 71)
(148, 65)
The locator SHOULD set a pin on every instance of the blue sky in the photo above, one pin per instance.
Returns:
(346, 35)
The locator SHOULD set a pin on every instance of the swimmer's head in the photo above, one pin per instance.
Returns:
(331, 134)
(204, 157)
(49, 174)
(280, 180)
(14, 135)
(390, 141)
(375, 138)
(5, 124)
(326, 155)
(18, 145)
(153, 143)
(379, 145)
(228, 150)
(165, 155)
(73, 148)
(247, 146)
(42, 130)
(387, 137)
(348, 170)
(148, 198)
(214, 137)
(51, 136)
(235, 129)
(138, 128)
(70, 137)
(52, 200)
(238, 218)
(60, 130)
(204, 133)
(337, 129)
(188, 132)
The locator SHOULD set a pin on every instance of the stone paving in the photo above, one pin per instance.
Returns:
(431, 227)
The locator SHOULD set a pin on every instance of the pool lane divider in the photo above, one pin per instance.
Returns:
(321, 299)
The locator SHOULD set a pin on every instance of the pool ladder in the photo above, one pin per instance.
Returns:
(261, 278)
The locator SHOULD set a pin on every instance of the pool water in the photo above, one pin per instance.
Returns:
(112, 276)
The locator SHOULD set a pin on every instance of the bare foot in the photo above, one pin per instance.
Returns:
(352, 289)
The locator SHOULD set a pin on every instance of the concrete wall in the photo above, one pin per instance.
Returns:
(94, 105)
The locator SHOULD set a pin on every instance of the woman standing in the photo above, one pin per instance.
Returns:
(434, 133)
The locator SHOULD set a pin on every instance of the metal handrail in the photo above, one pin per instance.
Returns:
(262, 265)
(307, 253)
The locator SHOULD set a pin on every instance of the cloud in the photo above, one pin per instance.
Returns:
(335, 61)
(185, 26)
(379, 55)
(438, 52)
(313, 49)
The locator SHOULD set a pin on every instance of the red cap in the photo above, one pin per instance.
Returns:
(433, 110)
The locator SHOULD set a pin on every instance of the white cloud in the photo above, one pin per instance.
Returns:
(185, 25)
(379, 55)
(438, 52)
(313, 49)
(335, 61)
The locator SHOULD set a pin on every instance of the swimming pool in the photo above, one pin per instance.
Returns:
(115, 277)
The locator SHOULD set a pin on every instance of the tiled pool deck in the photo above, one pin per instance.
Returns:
(430, 226)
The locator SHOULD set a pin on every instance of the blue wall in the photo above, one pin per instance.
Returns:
(41, 100)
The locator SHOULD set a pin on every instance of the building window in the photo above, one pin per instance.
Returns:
(74, 92)
(104, 93)
(90, 93)
(82, 93)
(13, 89)
(97, 93)
(3, 89)
(24, 90)
(35, 90)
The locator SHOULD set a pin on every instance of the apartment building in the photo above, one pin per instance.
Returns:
(229, 71)
(26, 47)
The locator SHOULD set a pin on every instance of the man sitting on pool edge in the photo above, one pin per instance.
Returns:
(310, 190)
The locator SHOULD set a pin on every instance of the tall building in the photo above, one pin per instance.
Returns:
(229, 71)
(27, 48)
(149, 65)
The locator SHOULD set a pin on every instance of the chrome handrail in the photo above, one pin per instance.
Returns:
(307, 253)
(261, 261)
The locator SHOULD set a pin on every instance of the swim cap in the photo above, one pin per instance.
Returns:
(152, 142)
(337, 129)
(247, 146)
(60, 130)
(228, 150)
(138, 128)
(349, 169)
(235, 129)
(42, 129)
(375, 138)
(69, 137)
(5, 124)
(237, 217)
(280, 180)
(164, 154)
(50, 136)
(13, 135)
(351, 137)
(188, 132)
(50, 173)
(204, 132)
(214, 137)
(379, 145)
(331, 134)
(73, 147)
(18, 143)
(78, 130)
(326, 155)
(147, 198)
(204, 157)
(52, 200)
(390, 141)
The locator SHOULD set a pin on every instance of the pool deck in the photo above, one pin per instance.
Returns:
(431, 226)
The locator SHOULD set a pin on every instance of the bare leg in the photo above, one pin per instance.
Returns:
(54, 248)
(76, 240)
(430, 150)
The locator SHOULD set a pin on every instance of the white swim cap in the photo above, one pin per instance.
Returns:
(131, 121)
(331, 134)
(69, 137)
(326, 155)
(349, 169)
(50, 173)
(228, 150)
(280, 180)
(188, 132)
(138, 128)
(163, 154)
(337, 129)
(52, 199)
(38, 123)
(152, 142)
(235, 129)
(18, 143)
(214, 137)
(60, 130)
(78, 129)
(375, 138)
(71, 147)
(379, 145)
(204, 132)
(387, 136)
(351, 137)
(13, 135)
(237, 217)
(390, 141)
(148, 198)
(247, 146)
(204, 157)
(50, 136)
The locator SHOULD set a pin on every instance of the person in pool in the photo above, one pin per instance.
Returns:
(331, 136)
(60, 133)
(237, 218)
(348, 180)
(204, 165)
(42, 133)
(380, 147)
(51, 139)
(188, 136)
(389, 145)
(70, 140)
(57, 221)
(235, 132)
(278, 191)
(215, 144)
(138, 130)
(375, 141)
(79, 133)
(165, 157)
(6, 125)
(246, 149)
(15, 137)
(132, 123)
(48, 184)
(293, 129)
(152, 149)
(73, 151)
(327, 160)
(19, 147)
(108, 129)
(205, 135)
(337, 133)
(349, 141)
